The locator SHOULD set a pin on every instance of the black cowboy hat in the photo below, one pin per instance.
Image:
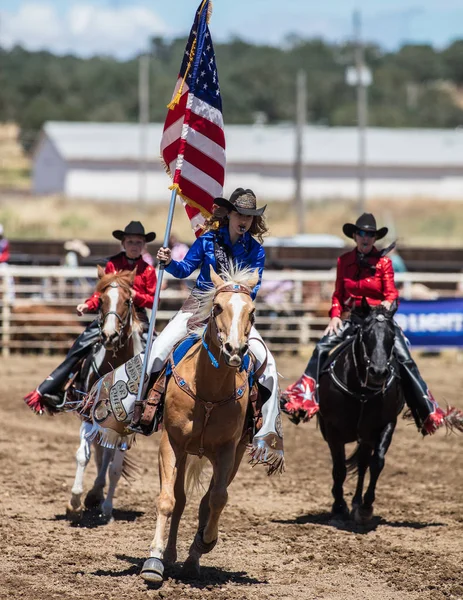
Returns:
(365, 222)
(134, 228)
(243, 201)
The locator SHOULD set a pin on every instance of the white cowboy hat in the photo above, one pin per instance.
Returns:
(77, 246)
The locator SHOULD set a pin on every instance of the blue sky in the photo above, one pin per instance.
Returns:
(122, 27)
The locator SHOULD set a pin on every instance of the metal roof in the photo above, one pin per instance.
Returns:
(268, 144)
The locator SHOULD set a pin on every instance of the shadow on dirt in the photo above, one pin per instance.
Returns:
(325, 518)
(210, 576)
(92, 518)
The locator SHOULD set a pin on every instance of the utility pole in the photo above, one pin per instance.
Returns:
(301, 118)
(363, 80)
(143, 107)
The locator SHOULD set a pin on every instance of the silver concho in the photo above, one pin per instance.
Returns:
(117, 393)
(101, 411)
(380, 318)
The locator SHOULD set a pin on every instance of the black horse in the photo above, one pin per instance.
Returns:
(360, 398)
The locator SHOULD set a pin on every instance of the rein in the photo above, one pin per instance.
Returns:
(123, 322)
(183, 385)
(367, 392)
(234, 288)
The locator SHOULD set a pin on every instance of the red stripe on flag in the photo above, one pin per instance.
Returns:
(177, 112)
(194, 192)
(203, 162)
(207, 128)
(171, 152)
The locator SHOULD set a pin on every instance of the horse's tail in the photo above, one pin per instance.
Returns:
(352, 461)
(194, 469)
(131, 469)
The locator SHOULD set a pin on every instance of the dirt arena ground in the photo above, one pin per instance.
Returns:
(276, 537)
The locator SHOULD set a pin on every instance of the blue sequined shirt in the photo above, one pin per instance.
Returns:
(246, 252)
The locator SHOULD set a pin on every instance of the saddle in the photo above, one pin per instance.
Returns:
(148, 414)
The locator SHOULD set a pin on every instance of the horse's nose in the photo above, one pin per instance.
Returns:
(379, 373)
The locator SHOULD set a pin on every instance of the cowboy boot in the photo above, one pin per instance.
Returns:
(300, 400)
(49, 395)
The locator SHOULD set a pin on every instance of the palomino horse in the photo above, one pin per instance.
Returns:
(121, 339)
(360, 398)
(206, 404)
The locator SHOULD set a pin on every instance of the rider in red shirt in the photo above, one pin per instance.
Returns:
(133, 240)
(362, 273)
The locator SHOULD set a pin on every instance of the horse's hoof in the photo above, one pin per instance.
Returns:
(152, 570)
(74, 514)
(169, 558)
(93, 500)
(362, 515)
(339, 512)
(191, 569)
(200, 546)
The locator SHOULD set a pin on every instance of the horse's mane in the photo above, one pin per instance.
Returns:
(235, 274)
(120, 278)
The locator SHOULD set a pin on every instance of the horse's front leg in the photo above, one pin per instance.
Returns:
(95, 496)
(338, 455)
(170, 458)
(360, 459)
(115, 472)
(170, 553)
(365, 511)
(74, 508)
(205, 539)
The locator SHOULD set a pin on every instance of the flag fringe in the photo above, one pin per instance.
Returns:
(190, 202)
(176, 99)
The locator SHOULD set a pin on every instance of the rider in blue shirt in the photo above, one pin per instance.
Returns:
(229, 240)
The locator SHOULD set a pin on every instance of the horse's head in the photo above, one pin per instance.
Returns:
(233, 315)
(115, 305)
(376, 342)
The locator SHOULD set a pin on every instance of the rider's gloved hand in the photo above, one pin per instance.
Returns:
(82, 309)
(333, 326)
(164, 255)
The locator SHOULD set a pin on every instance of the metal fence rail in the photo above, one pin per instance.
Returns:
(37, 304)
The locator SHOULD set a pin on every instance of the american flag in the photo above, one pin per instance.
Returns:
(193, 141)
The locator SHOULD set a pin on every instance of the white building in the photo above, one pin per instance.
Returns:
(102, 161)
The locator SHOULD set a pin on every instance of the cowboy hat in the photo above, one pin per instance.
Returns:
(243, 201)
(365, 222)
(134, 228)
(77, 246)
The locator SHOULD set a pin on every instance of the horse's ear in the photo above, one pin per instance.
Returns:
(132, 276)
(216, 279)
(100, 271)
(394, 307)
(366, 308)
(253, 280)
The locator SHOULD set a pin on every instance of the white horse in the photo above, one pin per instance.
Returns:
(121, 339)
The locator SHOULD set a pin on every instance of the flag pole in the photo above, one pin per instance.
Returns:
(154, 310)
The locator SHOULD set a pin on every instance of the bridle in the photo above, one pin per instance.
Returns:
(123, 322)
(234, 288)
(366, 361)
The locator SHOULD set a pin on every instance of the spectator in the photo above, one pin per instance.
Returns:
(4, 247)
(178, 248)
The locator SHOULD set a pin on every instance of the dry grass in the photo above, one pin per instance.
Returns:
(14, 165)
(413, 222)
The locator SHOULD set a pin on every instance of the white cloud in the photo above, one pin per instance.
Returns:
(84, 29)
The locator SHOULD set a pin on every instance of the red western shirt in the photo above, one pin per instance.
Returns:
(4, 250)
(354, 282)
(144, 283)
